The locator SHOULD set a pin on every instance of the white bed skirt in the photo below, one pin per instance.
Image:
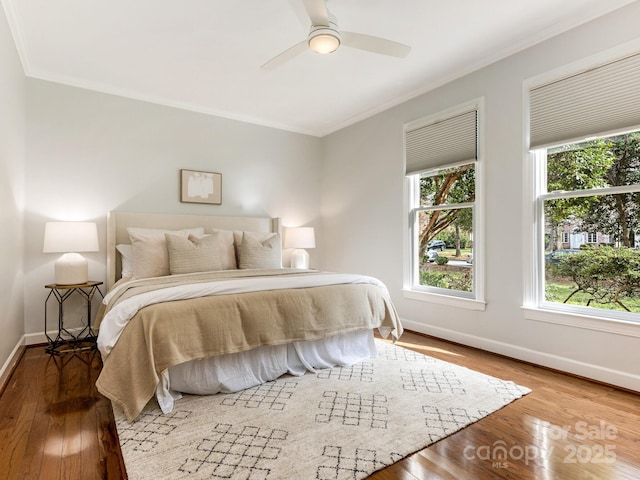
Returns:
(238, 371)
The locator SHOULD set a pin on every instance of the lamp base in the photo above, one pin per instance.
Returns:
(71, 269)
(299, 258)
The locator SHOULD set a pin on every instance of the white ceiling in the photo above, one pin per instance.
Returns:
(205, 55)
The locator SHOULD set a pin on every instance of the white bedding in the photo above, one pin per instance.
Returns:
(238, 371)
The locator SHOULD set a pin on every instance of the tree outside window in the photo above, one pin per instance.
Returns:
(444, 228)
(593, 191)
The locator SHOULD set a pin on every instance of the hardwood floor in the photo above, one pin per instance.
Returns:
(54, 425)
(53, 422)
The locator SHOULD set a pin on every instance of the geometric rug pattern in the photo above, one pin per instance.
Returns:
(340, 423)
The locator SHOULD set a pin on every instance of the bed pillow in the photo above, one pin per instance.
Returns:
(150, 255)
(193, 254)
(227, 250)
(126, 260)
(259, 251)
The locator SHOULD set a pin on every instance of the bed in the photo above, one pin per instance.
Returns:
(201, 305)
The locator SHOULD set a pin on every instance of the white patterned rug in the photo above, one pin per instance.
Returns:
(342, 423)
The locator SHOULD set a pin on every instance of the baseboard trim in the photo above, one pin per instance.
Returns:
(37, 338)
(11, 363)
(597, 373)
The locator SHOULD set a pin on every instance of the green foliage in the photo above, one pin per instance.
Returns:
(449, 235)
(445, 187)
(605, 274)
(597, 164)
(574, 167)
(442, 260)
(619, 214)
(461, 281)
(579, 167)
(453, 185)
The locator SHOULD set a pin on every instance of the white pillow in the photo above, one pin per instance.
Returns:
(227, 249)
(126, 260)
(193, 254)
(150, 255)
(256, 251)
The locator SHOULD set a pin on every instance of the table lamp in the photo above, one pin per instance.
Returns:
(70, 238)
(300, 238)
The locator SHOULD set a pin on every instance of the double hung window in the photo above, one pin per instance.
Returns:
(441, 155)
(585, 165)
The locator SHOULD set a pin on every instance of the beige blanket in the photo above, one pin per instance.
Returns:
(166, 334)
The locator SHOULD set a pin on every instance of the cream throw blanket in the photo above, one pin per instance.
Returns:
(164, 334)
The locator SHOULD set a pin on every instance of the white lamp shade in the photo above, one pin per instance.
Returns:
(70, 238)
(65, 237)
(300, 237)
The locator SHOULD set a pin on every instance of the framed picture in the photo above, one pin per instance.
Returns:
(200, 187)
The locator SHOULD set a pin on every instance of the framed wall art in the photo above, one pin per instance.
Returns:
(200, 187)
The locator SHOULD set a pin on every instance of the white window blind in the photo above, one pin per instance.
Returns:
(449, 141)
(597, 101)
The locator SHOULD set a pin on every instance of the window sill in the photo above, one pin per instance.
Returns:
(460, 302)
(615, 326)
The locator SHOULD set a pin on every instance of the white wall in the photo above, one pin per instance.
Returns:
(12, 138)
(363, 217)
(89, 153)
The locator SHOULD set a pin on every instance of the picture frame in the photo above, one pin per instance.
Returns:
(200, 187)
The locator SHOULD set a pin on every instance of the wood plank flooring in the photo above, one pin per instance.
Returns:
(54, 425)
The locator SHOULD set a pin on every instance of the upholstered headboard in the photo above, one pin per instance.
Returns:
(118, 222)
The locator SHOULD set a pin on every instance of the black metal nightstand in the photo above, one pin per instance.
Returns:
(86, 338)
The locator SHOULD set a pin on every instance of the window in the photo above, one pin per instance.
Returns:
(443, 228)
(587, 183)
(594, 188)
(442, 171)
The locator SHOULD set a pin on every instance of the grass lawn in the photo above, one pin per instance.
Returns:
(451, 253)
(558, 292)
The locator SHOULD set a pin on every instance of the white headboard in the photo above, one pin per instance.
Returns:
(117, 223)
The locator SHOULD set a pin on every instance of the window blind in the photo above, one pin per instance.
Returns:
(600, 100)
(448, 141)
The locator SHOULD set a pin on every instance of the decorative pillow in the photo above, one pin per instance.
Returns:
(256, 251)
(126, 260)
(150, 255)
(227, 250)
(193, 254)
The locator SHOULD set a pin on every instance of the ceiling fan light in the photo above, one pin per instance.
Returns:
(324, 40)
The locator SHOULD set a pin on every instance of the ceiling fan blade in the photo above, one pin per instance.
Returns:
(285, 56)
(300, 12)
(374, 44)
(318, 13)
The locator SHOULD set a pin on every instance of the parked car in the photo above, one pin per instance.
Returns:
(431, 255)
(556, 257)
(437, 245)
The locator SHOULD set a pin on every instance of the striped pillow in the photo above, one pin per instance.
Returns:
(193, 254)
(150, 256)
(259, 251)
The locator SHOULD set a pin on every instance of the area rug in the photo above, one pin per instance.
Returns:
(340, 423)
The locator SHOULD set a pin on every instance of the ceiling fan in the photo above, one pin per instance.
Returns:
(325, 37)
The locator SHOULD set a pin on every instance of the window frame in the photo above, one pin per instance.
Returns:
(531, 263)
(411, 289)
(535, 305)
